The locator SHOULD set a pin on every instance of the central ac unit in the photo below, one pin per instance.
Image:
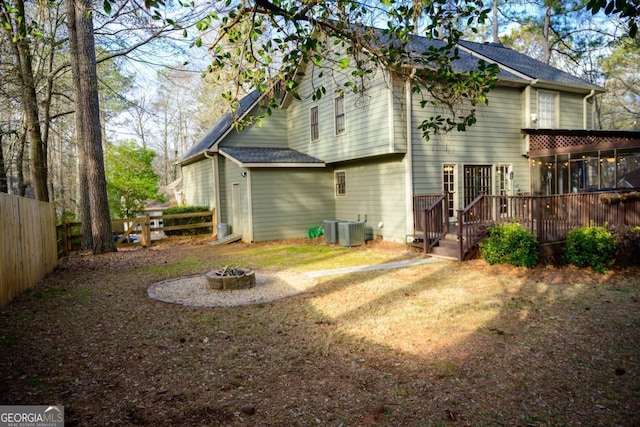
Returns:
(331, 230)
(351, 233)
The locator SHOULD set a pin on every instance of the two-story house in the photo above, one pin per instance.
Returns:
(362, 157)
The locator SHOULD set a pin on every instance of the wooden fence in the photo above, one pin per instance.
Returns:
(28, 248)
(132, 231)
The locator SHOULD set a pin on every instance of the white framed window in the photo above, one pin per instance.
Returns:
(314, 123)
(339, 115)
(340, 179)
(547, 110)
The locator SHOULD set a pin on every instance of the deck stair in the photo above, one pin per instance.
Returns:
(448, 247)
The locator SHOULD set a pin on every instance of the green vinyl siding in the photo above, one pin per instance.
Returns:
(366, 118)
(571, 113)
(494, 139)
(286, 203)
(375, 191)
(272, 133)
(198, 184)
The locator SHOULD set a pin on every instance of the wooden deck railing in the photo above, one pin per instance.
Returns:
(434, 223)
(550, 217)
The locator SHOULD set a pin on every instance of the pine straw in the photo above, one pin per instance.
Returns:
(460, 344)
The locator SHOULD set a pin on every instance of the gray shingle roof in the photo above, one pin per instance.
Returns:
(221, 126)
(527, 65)
(465, 62)
(267, 155)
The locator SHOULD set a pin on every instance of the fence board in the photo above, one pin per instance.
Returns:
(28, 244)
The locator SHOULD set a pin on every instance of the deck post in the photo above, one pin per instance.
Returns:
(460, 238)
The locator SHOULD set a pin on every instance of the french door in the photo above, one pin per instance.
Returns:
(477, 178)
(449, 187)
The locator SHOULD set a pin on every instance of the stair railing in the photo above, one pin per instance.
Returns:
(435, 226)
(472, 224)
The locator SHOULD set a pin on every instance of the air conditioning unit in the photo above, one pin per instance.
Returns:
(351, 233)
(331, 230)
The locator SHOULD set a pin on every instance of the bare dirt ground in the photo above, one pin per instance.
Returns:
(444, 344)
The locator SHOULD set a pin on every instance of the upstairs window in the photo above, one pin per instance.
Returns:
(340, 178)
(313, 119)
(547, 112)
(339, 113)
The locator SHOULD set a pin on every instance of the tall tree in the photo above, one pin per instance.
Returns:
(88, 130)
(621, 102)
(131, 180)
(19, 29)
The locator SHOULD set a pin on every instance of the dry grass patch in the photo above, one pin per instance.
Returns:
(460, 344)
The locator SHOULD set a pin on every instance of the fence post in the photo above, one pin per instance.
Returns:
(214, 225)
(460, 235)
(66, 230)
(146, 231)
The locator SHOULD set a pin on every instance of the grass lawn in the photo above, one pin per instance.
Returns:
(441, 344)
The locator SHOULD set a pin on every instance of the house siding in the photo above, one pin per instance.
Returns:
(366, 116)
(570, 109)
(286, 203)
(375, 192)
(494, 139)
(272, 133)
(197, 179)
(571, 114)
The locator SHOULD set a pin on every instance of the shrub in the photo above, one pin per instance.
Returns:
(627, 244)
(592, 247)
(190, 220)
(510, 243)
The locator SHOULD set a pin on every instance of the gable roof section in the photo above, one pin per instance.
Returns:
(269, 157)
(528, 66)
(221, 127)
(466, 61)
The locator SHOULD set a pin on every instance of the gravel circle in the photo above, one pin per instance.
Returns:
(194, 290)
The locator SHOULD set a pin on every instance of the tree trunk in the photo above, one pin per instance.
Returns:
(4, 188)
(546, 29)
(84, 206)
(89, 132)
(30, 101)
(494, 24)
(22, 186)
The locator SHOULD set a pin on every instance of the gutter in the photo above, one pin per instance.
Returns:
(584, 108)
(216, 184)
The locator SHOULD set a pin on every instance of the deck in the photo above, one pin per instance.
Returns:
(549, 217)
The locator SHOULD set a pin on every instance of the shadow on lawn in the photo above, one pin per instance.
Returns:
(437, 344)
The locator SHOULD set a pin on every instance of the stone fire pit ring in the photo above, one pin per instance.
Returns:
(231, 279)
(196, 290)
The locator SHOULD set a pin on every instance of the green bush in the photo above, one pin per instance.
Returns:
(627, 244)
(182, 221)
(510, 243)
(593, 247)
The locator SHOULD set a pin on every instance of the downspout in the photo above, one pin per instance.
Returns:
(584, 108)
(391, 118)
(409, 156)
(216, 185)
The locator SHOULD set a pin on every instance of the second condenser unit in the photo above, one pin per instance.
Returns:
(351, 233)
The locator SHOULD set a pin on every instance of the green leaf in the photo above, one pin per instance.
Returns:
(343, 63)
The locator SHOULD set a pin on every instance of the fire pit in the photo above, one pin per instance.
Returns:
(230, 279)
